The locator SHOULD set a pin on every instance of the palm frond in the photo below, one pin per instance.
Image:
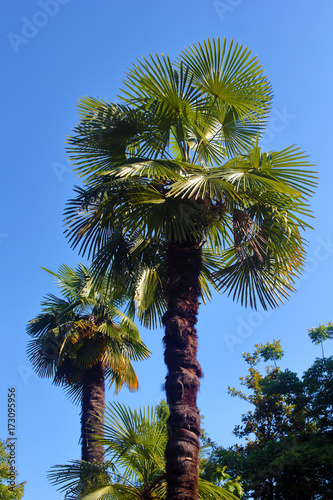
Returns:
(229, 73)
(156, 80)
(134, 438)
(68, 478)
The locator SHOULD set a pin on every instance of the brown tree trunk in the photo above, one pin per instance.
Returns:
(93, 402)
(182, 380)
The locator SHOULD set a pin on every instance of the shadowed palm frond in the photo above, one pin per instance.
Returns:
(68, 478)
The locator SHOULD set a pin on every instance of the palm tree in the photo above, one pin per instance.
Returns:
(81, 339)
(135, 442)
(178, 168)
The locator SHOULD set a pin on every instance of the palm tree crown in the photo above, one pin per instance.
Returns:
(180, 161)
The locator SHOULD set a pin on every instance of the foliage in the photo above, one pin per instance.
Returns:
(219, 476)
(283, 470)
(9, 489)
(288, 450)
(270, 350)
(321, 333)
(318, 382)
(274, 397)
(84, 327)
(135, 441)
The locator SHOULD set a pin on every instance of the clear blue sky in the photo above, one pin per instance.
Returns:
(53, 52)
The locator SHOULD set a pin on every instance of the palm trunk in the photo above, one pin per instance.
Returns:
(182, 380)
(93, 402)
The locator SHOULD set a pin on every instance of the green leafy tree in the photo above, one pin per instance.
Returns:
(81, 339)
(318, 383)
(288, 449)
(321, 333)
(9, 488)
(271, 351)
(135, 442)
(318, 380)
(177, 168)
(275, 410)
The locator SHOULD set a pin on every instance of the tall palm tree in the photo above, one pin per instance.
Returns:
(134, 441)
(81, 339)
(178, 168)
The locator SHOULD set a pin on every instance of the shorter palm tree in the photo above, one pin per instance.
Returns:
(82, 339)
(135, 442)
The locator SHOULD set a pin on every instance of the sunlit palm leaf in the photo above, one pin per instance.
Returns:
(155, 79)
(229, 73)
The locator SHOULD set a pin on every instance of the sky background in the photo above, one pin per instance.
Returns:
(56, 51)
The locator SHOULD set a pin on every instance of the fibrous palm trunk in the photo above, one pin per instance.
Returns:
(182, 380)
(93, 404)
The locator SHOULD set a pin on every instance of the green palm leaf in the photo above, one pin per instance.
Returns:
(229, 73)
